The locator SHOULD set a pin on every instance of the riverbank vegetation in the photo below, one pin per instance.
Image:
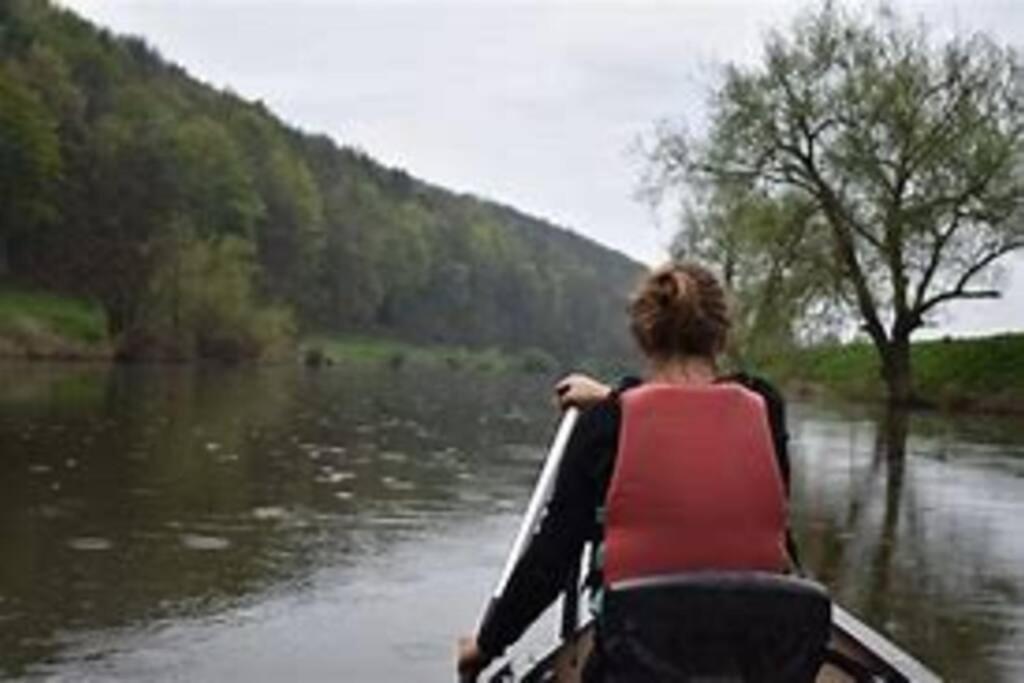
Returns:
(41, 325)
(216, 322)
(982, 374)
(325, 351)
(126, 182)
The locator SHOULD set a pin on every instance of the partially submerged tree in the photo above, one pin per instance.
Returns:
(909, 153)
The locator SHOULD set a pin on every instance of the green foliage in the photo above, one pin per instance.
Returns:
(851, 370)
(156, 171)
(537, 361)
(359, 349)
(125, 199)
(201, 304)
(779, 288)
(971, 368)
(325, 350)
(214, 182)
(985, 372)
(72, 318)
(30, 162)
(906, 152)
(37, 324)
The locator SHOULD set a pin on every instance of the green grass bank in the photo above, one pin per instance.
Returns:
(44, 325)
(328, 350)
(984, 373)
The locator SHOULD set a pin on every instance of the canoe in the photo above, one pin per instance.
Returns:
(857, 654)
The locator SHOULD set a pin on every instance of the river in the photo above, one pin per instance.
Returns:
(187, 524)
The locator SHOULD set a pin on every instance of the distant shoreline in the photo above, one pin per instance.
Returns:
(976, 375)
(43, 327)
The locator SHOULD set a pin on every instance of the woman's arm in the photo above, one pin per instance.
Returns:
(555, 549)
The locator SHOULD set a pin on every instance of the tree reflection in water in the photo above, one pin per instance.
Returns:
(916, 557)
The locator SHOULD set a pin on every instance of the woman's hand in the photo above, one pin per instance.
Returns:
(471, 660)
(581, 391)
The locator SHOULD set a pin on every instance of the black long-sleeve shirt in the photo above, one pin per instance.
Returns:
(571, 518)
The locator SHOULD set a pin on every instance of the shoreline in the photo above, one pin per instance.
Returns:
(397, 354)
(958, 405)
(982, 375)
(315, 352)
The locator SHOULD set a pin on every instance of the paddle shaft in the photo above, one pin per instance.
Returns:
(538, 500)
(541, 493)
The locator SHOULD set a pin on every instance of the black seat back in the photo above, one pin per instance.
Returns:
(706, 627)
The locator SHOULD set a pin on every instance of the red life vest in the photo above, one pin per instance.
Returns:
(696, 484)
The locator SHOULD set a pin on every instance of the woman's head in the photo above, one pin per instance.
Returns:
(680, 310)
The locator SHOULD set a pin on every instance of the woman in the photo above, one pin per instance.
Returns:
(679, 318)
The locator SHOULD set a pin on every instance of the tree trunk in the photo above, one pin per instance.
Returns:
(896, 371)
(892, 442)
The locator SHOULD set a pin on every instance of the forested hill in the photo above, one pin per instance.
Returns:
(202, 224)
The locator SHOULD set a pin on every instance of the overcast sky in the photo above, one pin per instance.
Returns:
(531, 104)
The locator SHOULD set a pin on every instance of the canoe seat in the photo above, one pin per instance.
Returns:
(715, 627)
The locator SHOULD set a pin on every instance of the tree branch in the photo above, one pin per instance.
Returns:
(960, 294)
(959, 290)
(941, 238)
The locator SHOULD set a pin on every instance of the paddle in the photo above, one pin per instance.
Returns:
(541, 494)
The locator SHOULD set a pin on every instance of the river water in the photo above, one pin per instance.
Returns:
(181, 524)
